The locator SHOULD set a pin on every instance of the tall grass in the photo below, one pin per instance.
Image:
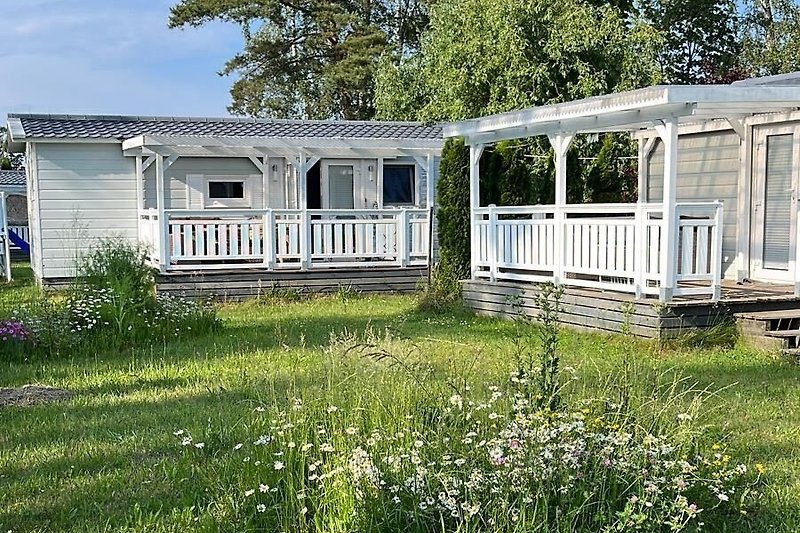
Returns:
(384, 442)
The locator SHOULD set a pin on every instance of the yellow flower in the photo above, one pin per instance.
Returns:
(716, 447)
(760, 468)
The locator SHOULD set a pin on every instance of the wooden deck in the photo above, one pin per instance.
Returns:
(241, 284)
(594, 309)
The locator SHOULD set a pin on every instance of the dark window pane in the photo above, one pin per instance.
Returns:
(398, 184)
(226, 189)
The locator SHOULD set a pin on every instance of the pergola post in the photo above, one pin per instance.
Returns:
(646, 146)
(560, 143)
(430, 185)
(139, 184)
(163, 220)
(475, 152)
(668, 131)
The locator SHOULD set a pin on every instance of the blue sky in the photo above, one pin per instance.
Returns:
(110, 57)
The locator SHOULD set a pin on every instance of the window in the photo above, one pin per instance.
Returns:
(398, 185)
(225, 189)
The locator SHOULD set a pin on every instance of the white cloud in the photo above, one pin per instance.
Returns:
(73, 56)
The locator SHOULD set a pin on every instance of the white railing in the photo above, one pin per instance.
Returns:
(608, 246)
(149, 234)
(286, 238)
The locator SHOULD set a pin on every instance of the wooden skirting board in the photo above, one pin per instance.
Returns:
(243, 284)
(611, 312)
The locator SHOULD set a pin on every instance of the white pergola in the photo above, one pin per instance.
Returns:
(653, 112)
(301, 152)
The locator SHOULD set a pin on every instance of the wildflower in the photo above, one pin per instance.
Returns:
(351, 430)
(332, 408)
(199, 445)
(722, 497)
(238, 446)
(263, 488)
(278, 465)
(261, 507)
(178, 433)
(760, 468)
(249, 492)
(186, 441)
(418, 444)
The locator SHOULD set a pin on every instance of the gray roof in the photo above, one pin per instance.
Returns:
(26, 126)
(12, 178)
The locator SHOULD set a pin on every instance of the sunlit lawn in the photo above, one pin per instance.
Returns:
(107, 459)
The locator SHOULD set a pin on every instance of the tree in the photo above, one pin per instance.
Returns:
(700, 37)
(771, 38)
(488, 56)
(8, 160)
(309, 58)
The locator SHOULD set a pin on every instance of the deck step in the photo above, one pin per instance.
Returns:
(781, 314)
(783, 333)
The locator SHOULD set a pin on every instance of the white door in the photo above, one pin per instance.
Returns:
(339, 184)
(775, 203)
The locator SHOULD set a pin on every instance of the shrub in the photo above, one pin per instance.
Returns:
(111, 304)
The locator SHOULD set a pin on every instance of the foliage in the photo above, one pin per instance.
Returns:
(487, 56)
(312, 58)
(700, 37)
(8, 160)
(611, 177)
(116, 278)
(112, 304)
(771, 37)
(453, 226)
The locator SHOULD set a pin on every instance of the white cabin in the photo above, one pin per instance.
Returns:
(206, 194)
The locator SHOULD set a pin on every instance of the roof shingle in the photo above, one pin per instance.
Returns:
(12, 178)
(125, 127)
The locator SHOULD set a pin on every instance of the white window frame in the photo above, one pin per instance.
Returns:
(414, 185)
(229, 203)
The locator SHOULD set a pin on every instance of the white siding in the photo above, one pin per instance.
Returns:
(179, 173)
(708, 169)
(85, 192)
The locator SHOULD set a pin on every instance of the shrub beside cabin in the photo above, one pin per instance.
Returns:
(234, 206)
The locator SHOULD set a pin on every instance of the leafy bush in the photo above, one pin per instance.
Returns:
(111, 304)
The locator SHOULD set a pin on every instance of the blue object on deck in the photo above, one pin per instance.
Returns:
(17, 241)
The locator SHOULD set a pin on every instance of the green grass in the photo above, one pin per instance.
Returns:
(107, 459)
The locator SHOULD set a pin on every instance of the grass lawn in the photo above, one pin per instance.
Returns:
(107, 459)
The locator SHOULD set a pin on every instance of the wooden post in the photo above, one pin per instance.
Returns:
(139, 184)
(560, 143)
(402, 237)
(668, 131)
(305, 239)
(640, 249)
(265, 187)
(269, 243)
(646, 146)
(491, 246)
(716, 254)
(475, 152)
(163, 219)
